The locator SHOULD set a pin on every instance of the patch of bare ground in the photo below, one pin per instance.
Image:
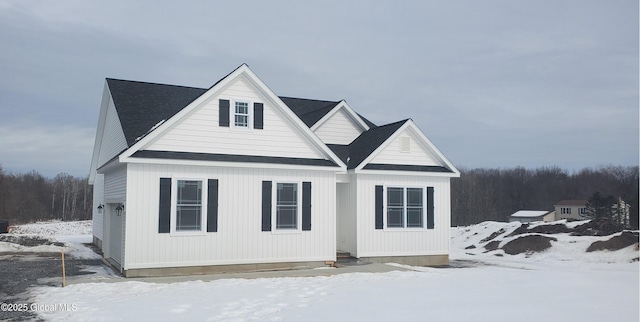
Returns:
(29, 241)
(541, 229)
(492, 245)
(528, 244)
(597, 228)
(493, 235)
(626, 239)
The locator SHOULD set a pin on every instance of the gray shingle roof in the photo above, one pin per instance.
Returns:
(365, 144)
(309, 111)
(141, 105)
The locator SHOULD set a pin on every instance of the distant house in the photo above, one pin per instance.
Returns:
(233, 177)
(571, 209)
(527, 216)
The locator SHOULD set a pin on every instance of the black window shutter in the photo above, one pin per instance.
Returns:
(306, 206)
(223, 116)
(430, 220)
(164, 215)
(379, 207)
(266, 205)
(258, 116)
(212, 206)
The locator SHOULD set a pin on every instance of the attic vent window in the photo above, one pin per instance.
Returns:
(405, 144)
(241, 115)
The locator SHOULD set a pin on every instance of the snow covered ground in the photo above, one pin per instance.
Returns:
(72, 234)
(561, 284)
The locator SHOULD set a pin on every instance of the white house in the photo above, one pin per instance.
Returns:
(233, 177)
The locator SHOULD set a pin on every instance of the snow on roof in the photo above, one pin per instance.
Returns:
(530, 213)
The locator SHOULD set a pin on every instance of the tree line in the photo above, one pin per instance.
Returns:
(30, 197)
(478, 195)
(494, 194)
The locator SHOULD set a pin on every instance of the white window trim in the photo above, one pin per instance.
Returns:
(404, 195)
(233, 114)
(274, 208)
(174, 204)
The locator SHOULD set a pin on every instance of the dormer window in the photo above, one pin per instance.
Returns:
(241, 115)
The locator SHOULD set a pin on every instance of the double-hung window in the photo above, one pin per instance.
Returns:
(287, 206)
(189, 205)
(241, 115)
(405, 207)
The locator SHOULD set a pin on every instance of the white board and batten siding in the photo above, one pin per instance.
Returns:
(200, 132)
(413, 154)
(239, 239)
(113, 140)
(373, 242)
(340, 128)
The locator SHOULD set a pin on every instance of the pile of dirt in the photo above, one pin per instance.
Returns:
(626, 239)
(29, 241)
(600, 227)
(542, 229)
(528, 244)
(493, 235)
(493, 245)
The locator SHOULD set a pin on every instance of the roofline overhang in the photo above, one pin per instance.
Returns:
(341, 105)
(226, 164)
(216, 88)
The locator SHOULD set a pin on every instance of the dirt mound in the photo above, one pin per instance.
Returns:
(600, 227)
(493, 245)
(626, 239)
(493, 235)
(542, 229)
(29, 241)
(528, 244)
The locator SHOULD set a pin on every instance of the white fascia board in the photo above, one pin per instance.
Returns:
(225, 164)
(431, 147)
(341, 105)
(409, 124)
(409, 173)
(97, 144)
(256, 81)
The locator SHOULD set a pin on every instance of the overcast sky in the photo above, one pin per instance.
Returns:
(491, 83)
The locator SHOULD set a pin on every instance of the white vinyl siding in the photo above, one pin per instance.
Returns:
(412, 153)
(98, 199)
(373, 242)
(115, 184)
(199, 132)
(339, 129)
(239, 239)
(113, 140)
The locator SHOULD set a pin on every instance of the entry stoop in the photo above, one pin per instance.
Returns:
(340, 255)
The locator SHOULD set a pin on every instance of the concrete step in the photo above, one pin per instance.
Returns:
(342, 255)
